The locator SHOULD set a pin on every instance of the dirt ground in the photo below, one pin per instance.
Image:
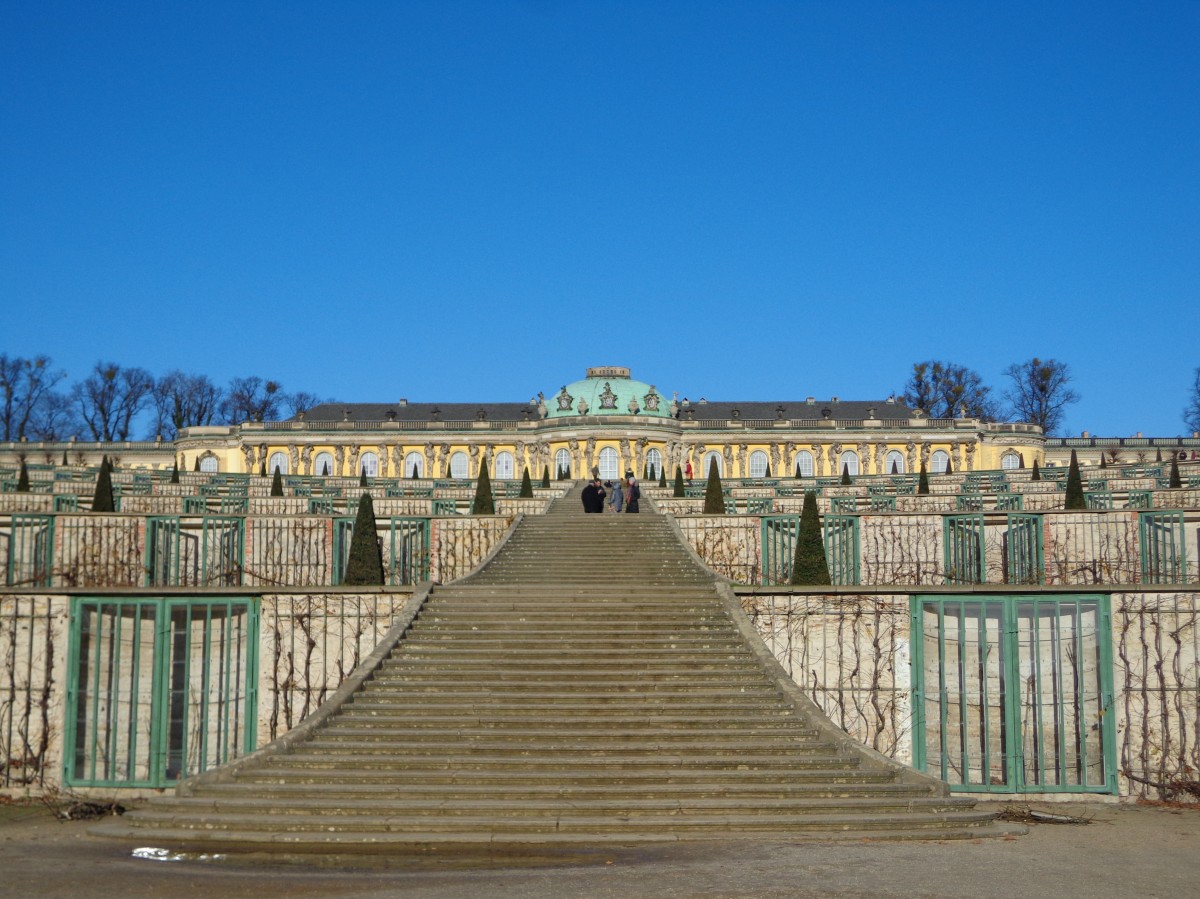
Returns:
(1125, 850)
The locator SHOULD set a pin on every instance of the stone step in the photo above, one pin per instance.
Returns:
(661, 763)
(732, 779)
(673, 822)
(368, 810)
(284, 784)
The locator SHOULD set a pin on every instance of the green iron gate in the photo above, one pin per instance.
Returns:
(841, 548)
(1163, 548)
(840, 535)
(30, 551)
(1024, 561)
(1013, 694)
(963, 549)
(158, 689)
(778, 534)
(409, 551)
(179, 556)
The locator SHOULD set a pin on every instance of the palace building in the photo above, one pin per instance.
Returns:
(612, 423)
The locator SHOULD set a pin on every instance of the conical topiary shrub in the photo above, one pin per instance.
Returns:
(768, 474)
(23, 478)
(546, 476)
(923, 481)
(662, 476)
(1075, 499)
(949, 468)
(484, 503)
(846, 482)
(1158, 455)
(1175, 480)
(175, 472)
(362, 478)
(416, 472)
(1103, 463)
(714, 495)
(326, 471)
(678, 491)
(895, 467)
(1036, 474)
(526, 484)
(809, 568)
(277, 483)
(364, 567)
(64, 461)
(799, 474)
(102, 499)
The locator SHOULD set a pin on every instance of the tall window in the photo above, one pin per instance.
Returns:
(848, 462)
(414, 462)
(368, 464)
(504, 466)
(562, 462)
(277, 460)
(458, 465)
(938, 462)
(804, 461)
(708, 461)
(610, 464)
(894, 463)
(208, 464)
(758, 464)
(323, 464)
(654, 463)
(1010, 461)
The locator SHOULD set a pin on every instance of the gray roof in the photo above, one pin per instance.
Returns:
(846, 410)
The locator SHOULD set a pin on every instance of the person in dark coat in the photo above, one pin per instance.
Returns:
(593, 497)
(632, 494)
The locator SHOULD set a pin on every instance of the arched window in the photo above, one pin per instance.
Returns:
(414, 465)
(562, 462)
(654, 463)
(277, 461)
(610, 464)
(708, 461)
(368, 464)
(848, 463)
(504, 466)
(758, 464)
(1010, 461)
(323, 464)
(208, 464)
(894, 463)
(804, 461)
(938, 462)
(458, 465)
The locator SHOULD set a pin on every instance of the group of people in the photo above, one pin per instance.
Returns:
(622, 495)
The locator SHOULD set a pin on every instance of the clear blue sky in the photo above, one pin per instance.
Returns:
(454, 201)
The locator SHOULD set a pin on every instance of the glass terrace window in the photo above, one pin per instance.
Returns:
(414, 463)
(323, 464)
(504, 466)
(368, 464)
(277, 460)
(458, 466)
(758, 464)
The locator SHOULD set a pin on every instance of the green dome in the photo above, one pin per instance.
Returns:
(607, 391)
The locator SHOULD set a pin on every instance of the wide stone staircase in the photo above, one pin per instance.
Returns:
(588, 685)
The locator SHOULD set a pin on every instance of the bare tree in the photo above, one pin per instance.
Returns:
(1039, 393)
(252, 399)
(946, 390)
(25, 384)
(110, 399)
(182, 401)
(1191, 414)
(301, 401)
(53, 418)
